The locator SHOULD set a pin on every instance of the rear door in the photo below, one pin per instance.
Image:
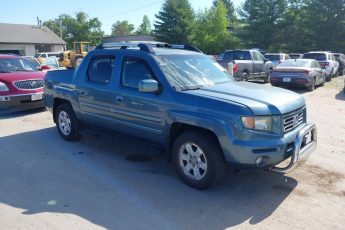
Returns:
(97, 92)
(140, 114)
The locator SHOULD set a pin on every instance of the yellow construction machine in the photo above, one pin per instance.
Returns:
(73, 58)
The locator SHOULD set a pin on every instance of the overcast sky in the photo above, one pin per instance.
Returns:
(26, 11)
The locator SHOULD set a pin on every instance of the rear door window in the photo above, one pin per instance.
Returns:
(100, 69)
(133, 71)
(242, 55)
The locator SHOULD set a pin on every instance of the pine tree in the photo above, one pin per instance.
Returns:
(145, 26)
(229, 5)
(262, 22)
(175, 22)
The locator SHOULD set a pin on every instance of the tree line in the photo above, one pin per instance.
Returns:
(271, 25)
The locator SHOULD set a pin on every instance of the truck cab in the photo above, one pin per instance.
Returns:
(185, 103)
(247, 64)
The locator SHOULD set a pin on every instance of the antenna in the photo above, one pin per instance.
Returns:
(39, 23)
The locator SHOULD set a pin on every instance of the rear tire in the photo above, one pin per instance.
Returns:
(323, 81)
(245, 76)
(67, 123)
(312, 86)
(198, 159)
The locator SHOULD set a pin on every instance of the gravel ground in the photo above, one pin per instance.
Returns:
(106, 182)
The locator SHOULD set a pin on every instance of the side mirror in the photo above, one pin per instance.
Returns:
(44, 67)
(266, 60)
(148, 86)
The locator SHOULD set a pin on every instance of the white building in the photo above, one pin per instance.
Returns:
(27, 40)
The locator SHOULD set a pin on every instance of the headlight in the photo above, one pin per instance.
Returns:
(261, 123)
(3, 87)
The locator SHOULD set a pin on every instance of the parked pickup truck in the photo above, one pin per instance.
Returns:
(247, 65)
(187, 104)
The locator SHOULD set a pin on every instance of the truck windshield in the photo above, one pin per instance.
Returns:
(187, 72)
(15, 65)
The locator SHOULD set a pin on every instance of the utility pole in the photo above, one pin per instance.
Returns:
(60, 28)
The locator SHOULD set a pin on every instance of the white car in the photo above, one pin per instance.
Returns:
(326, 60)
(47, 54)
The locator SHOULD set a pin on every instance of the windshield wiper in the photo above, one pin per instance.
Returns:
(2, 71)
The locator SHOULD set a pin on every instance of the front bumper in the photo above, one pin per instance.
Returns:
(302, 150)
(19, 102)
(268, 152)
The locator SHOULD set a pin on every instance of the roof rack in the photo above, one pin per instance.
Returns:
(147, 46)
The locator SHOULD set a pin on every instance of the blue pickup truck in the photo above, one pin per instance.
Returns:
(186, 103)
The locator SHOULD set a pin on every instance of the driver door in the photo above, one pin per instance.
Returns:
(259, 64)
(140, 114)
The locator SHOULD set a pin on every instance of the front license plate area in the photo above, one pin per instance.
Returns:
(36, 97)
(286, 79)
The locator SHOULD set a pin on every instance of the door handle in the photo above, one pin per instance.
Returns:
(118, 98)
(83, 93)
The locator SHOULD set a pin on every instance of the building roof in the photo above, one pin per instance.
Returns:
(129, 38)
(28, 34)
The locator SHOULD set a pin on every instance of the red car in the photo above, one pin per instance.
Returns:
(21, 84)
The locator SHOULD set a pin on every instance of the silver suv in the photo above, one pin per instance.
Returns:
(326, 60)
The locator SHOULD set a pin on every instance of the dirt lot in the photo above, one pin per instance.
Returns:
(104, 182)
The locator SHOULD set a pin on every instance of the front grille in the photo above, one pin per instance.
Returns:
(292, 121)
(28, 84)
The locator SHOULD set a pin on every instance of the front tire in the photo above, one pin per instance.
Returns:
(66, 122)
(329, 78)
(198, 159)
(268, 77)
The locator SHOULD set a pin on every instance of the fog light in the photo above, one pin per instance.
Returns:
(259, 161)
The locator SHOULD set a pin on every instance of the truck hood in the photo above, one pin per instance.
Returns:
(18, 76)
(261, 99)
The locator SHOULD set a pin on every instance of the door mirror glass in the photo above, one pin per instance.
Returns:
(148, 86)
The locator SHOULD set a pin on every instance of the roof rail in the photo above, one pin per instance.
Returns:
(147, 46)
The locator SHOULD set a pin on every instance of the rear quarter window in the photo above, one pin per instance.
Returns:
(100, 69)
